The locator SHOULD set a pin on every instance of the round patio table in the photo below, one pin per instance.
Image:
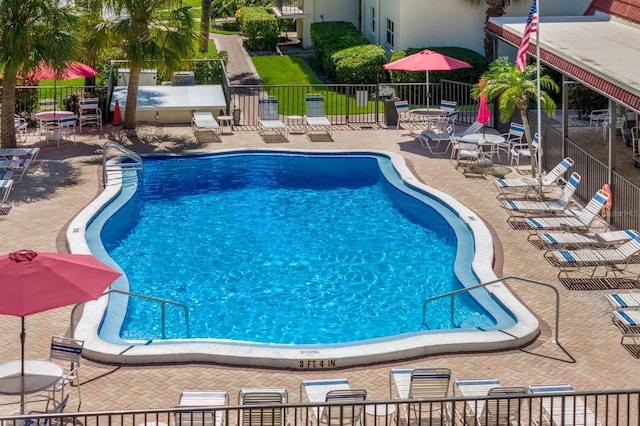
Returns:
(38, 375)
(51, 118)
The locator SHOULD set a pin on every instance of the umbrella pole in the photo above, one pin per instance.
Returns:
(23, 337)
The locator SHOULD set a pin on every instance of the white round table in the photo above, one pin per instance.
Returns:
(38, 375)
(380, 410)
(222, 119)
(48, 119)
(295, 122)
(485, 139)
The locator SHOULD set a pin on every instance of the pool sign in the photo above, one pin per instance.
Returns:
(314, 363)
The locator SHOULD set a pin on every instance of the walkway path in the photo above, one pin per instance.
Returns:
(240, 68)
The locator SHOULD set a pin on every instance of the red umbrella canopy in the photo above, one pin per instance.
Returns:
(426, 60)
(73, 70)
(484, 115)
(33, 282)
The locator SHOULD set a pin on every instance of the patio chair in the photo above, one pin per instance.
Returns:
(511, 138)
(520, 186)
(21, 126)
(204, 121)
(269, 118)
(596, 116)
(315, 116)
(505, 409)
(69, 352)
(5, 189)
(468, 154)
(565, 409)
(521, 150)
(589, 261)
(421, 383)
(90, 112)
(66, 127)
(523, 208)
(624, 301)
(404, 116)
(473, 388)
(206, 414)
(331, 390)
(578, 221)
(46, 421)
(573, 240)
(432, 141)
(47, 105)
(263, 416)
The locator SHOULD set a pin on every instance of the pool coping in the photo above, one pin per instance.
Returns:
(525, 329)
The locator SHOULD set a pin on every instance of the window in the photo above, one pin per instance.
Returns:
(373, 19)
(390, 32)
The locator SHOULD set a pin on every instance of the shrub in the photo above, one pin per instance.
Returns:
(260, 27)
(585, 100)
(359, 65)
(328, 38)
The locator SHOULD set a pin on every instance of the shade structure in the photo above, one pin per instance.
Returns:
(33, 282)
(72, 70)
(426, 60)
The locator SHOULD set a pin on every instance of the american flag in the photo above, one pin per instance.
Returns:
(530, 28)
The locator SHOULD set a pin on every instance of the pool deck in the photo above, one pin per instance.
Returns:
(62, 181)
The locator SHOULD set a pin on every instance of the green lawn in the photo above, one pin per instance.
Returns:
(288, 70)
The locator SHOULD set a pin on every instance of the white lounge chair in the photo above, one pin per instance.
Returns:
(332, 390)
(569, 240)
(204, 121)
(316, 117)
(506, 409)
(588, 261)
(269, 118)
(473, 388)
(522, 208)
(263, 416)
(624, 301)
(564, 410)
(577, 221)
(204, 415)
(421, 383)
(16, 166)
(520, 186)
(628, 322)
(17, 153)
(5, 189)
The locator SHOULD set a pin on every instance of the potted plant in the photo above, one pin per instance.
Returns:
(236, 115)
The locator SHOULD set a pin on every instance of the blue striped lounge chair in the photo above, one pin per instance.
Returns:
(589, 261)
(504, 409)
(263, 416)
(569, 240)
(201, 416)
(333, 390)
(5, 190)
(204, 120)
(16, 166)
(624, 301)
(520, 186)
(577, 221)
(523, 208)
(560, 408)
(628, 322)
(421, 383)
(315, 117)
(269, 118)
(473, 388)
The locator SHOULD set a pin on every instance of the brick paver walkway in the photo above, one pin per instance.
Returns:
(62, 181)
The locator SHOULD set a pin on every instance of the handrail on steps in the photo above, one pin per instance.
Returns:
(138, 164)
(163, 302)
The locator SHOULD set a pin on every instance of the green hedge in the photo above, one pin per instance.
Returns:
(260, 27)
(478, 62)
(328, 38)
(359, 65)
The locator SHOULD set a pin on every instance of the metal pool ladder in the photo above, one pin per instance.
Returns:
(134, 161)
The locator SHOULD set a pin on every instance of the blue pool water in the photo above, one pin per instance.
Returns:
(288, 249)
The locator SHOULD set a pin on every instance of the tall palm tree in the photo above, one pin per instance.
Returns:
(158, 32)
(514, 90)
(32, 32)
(204, 26)
(495, 8)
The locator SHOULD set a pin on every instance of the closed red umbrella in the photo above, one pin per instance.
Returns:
(484, 115)
(33, 282)
(426, 60)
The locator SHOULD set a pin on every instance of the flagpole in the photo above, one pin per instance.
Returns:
(538, 103)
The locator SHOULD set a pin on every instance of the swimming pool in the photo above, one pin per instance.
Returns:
(268, 350)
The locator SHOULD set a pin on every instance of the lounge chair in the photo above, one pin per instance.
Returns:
(624, 301)
(520, 186)
(264, 416)
(474, 388)
(332, 390)
(588, 261)
(204, 415)
(523, 208)
(421, 383)
(269, 118)
(505, 409)
(315, 114)
(5, 189)
(17, 166)
(577, 221)
(574, 240)
(17, 153)
(426, 137)
(564, 410)
(204, 121)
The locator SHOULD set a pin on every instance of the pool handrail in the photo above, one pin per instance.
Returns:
(137, 160)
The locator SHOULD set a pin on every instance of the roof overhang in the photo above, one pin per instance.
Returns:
(601, 51)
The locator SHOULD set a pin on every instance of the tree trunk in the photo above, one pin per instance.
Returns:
(529, 136)
(7, 122)
(132, 98)
(204, 26)
(495, 9)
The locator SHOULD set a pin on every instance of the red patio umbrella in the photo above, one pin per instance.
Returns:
(426, 60)
(33, 282)
(73, 70)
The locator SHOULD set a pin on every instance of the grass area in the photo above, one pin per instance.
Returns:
(287, 70)
(222, 32)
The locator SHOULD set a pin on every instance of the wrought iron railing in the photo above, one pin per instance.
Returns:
(290, 7)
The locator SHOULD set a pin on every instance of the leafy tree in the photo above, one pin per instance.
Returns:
(32, 32)
(514, 90)
(150, 32)
(495, 8)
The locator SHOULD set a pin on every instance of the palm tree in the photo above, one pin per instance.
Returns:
(514, 90)
(204, 26)
(150, 32)
(495, 8)
(32, 32)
